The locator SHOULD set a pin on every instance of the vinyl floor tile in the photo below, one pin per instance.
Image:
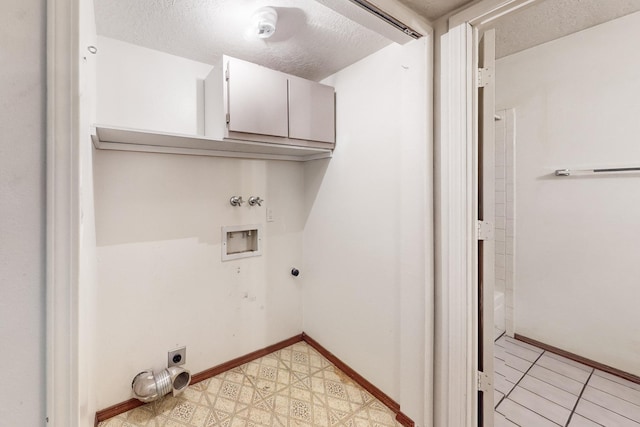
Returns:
(603, 416)
(375, 414)
(523, 344)
(569, 361)
(540, 405)
(580, 421)
(292, 387)
(617, 389)
(613, 403)
(497, 397)
(500, 420)
(548, 391)
(511, 374)
(563, 368)
(522, 416)
(501, 384)
(555, 379)
(515, 362)
(618, 380)
(558, 391)
(512, 347)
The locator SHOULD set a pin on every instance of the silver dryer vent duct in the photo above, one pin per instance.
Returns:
(149, 386)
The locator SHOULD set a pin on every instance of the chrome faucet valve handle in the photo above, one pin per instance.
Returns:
(236, 201)
(253, 200)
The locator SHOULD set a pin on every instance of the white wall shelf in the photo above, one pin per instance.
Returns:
(107, 137)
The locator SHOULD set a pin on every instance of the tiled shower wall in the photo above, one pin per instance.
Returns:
(505, 211)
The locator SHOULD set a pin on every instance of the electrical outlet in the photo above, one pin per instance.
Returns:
(177, 357)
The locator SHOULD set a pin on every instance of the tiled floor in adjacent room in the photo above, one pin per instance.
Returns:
(536, 388)
(294, 386)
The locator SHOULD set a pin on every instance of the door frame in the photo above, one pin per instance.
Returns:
(63, 213)
(456, 360)
(64, 404)
(455, 374)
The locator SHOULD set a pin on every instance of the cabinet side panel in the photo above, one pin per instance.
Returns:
(311, 111)
(142, 88)
(257, 99)
(214, 111)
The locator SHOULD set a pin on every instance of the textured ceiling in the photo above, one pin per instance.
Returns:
(311, 40)
(552, 19)
(434, 9)
(540, 23)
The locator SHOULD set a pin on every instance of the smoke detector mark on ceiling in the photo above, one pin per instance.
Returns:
(264, 22)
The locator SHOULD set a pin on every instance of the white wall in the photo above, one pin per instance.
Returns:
(505, 219)
(367, 236)
(22, 211)
(147, 89)
(577, 248)
(162, 283)
(158, 218)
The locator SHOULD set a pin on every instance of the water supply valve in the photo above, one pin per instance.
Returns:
(236, 201)
(255, 200)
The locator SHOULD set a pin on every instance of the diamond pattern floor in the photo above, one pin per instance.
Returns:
(295, 386)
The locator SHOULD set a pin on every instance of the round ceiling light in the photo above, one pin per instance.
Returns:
(265, 20)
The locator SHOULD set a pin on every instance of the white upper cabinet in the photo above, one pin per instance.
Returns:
(256, 99)
(245, 101)
(158, 103)
(311, 111)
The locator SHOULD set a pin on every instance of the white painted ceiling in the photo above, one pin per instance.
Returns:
(540, 23)
(434, 9)
(312, 40)
(552, 19)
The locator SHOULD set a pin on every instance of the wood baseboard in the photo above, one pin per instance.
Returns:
(117, 409)
(580, 359)
(239, 361)
(130, 404)
(361, 381)
(404, 420)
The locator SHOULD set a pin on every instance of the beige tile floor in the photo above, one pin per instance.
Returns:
(294, 386)
(537, 388)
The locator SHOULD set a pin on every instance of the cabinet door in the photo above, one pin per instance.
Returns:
(256, 99)
(311, 111)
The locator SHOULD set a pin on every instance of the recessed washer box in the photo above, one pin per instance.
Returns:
(241, 241)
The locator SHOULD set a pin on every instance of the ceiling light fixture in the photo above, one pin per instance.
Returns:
(265, 20)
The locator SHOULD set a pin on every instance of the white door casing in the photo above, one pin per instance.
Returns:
(456, 358)
(456, 367)
(63, 215)
(455, 389)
